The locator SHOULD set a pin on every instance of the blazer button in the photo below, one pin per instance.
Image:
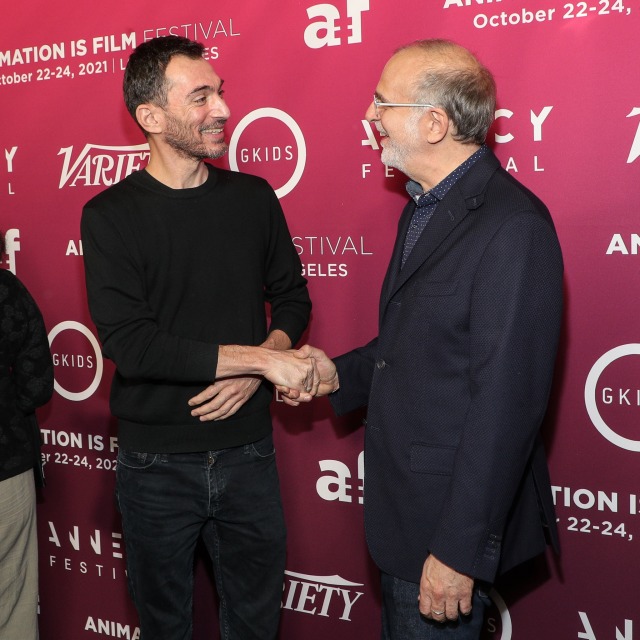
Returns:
(381, 364)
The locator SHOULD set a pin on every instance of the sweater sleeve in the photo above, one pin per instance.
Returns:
(126, 324)
(285, 287)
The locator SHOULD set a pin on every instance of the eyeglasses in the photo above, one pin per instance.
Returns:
(377, 104)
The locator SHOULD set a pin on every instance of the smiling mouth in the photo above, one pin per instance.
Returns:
(215, 128)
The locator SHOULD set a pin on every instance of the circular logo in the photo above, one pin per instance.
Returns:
(590, 394)
(505, 617)
(71, 325)
(285, 118)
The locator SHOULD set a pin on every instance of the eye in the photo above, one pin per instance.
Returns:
(221, 93)
(200, 100)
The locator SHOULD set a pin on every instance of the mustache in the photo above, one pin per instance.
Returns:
(216, 124)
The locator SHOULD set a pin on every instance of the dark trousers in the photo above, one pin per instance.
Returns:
(401, 618)
(231, 500)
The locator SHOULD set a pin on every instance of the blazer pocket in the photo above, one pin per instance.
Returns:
(433, 459)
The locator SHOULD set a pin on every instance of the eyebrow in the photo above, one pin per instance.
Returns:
(205, 87)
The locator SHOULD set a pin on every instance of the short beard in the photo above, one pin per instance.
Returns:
(396, 156)
(177, 137)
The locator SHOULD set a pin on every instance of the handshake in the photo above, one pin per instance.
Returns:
(310, 373)
(298, 375)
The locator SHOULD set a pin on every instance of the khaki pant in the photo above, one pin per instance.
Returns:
(18, 559)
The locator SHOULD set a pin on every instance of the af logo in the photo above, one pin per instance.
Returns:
(337, 484)
(11, 246)
(323, 33)
(617, 399)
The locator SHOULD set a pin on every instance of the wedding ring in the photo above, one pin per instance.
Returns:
(437, 613)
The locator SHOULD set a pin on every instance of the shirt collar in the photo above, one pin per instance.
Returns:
(415, 190)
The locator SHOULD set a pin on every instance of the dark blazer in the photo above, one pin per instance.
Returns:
(457, 384)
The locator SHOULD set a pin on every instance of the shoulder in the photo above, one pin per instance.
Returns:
(116, 192)
(13, 293)
(10, 286)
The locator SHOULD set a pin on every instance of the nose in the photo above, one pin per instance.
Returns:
(371, 113)
(219, 107)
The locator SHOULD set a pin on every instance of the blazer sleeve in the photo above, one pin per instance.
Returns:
(515, 319)
(355, 373)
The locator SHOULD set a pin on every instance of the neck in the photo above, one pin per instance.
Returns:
(174, 170)
(435, 170)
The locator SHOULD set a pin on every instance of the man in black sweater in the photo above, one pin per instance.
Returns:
(180, 259)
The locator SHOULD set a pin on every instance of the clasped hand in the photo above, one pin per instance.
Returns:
(325, 370)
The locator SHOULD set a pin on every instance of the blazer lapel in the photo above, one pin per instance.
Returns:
(466, 195)
(446, 217)
(393, 269)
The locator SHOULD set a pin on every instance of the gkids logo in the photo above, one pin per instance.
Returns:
(608, 401)
(101, 165)
(497, 624)
(323, 33)
(285, 155)
(12, 245)
(71, 359)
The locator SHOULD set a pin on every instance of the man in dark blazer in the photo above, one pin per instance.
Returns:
(458, 379)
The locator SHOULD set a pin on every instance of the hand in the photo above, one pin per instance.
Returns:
(225, 397)
(326, 370)
(444, 593)
(288, 369)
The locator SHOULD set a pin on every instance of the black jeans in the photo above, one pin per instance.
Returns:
(229, 498)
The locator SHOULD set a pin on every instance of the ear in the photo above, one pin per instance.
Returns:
(150, 117)
(435, 125)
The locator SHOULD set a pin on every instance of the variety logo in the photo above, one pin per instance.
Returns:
(71, 355)
(603, 394)
(280, 157)
(323, 32)
(327, 596)
(101, 165)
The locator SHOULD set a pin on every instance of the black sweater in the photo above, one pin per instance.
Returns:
(26, 375)
(173, 273)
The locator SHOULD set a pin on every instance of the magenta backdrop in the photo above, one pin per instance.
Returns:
(299, 77)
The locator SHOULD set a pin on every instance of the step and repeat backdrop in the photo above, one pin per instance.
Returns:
(299, 76)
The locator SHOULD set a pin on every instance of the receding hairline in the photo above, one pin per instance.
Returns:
(442, 56)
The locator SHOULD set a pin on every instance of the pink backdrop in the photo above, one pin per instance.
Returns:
(299, 77)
